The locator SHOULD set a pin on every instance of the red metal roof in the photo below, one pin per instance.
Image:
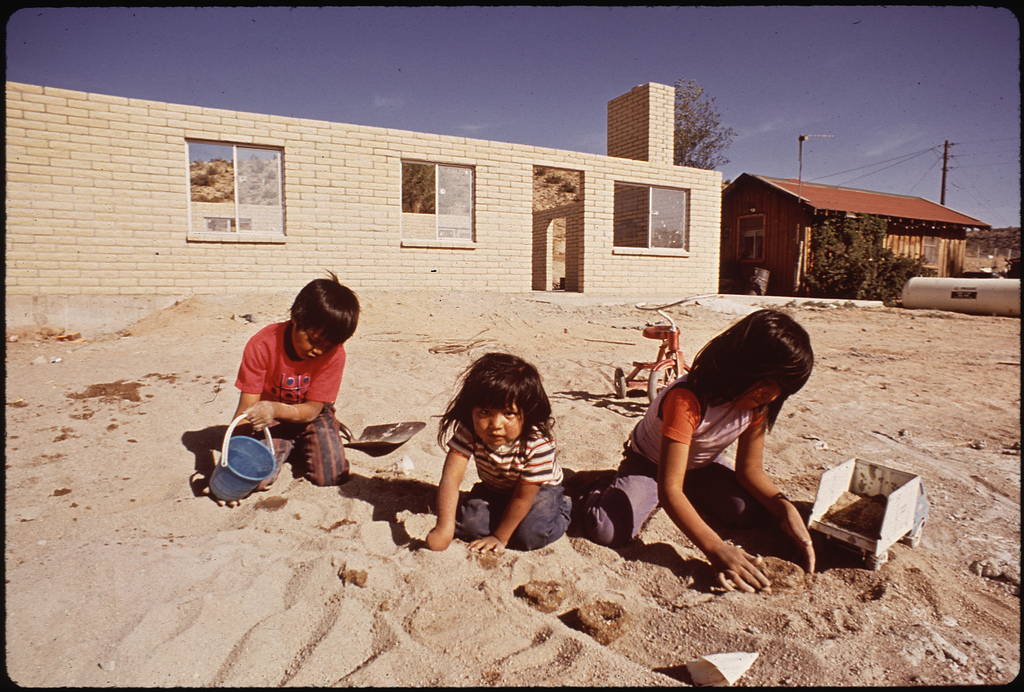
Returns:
(832, 198)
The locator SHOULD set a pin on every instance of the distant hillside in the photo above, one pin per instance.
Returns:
(553, 187)
(212, 181)
(995, 239)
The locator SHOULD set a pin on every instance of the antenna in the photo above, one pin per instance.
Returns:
(800, 159)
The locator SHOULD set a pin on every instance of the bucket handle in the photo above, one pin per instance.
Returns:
(227, 437)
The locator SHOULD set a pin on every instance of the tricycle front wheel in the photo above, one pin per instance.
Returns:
(659, 379)
(875, 562)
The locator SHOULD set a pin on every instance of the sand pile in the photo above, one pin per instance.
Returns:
(119, 572)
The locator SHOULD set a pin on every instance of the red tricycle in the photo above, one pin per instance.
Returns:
(669, 364)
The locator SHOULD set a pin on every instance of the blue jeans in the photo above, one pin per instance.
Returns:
(480, 511)
(615, 512)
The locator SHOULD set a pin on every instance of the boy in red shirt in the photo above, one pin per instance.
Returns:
(290, 376)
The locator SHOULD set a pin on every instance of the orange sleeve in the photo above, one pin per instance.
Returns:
(680, 415)
(761, 418)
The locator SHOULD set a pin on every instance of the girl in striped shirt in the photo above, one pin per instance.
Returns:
(501, 418)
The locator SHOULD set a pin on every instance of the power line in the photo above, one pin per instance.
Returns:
(994, 139)
(930, 168)
(968, 185)
(985, 165)
(972, 191)
(887, 167)
(898, 159)
(907, 157)
(998, 152)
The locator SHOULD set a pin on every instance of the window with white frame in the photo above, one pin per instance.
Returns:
(437, 201)
(235, 189)
(751, 237)
(650, 217)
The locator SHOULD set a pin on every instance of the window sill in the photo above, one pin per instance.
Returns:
(651, 251)
(202, 237)
(439, 244)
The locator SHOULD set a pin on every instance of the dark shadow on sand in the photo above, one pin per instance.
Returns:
(202, 444)
(634, 406)
(390, 496)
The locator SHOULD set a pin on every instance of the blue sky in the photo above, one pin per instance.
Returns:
(892, 84)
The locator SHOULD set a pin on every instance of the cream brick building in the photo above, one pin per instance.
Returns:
(102, 214)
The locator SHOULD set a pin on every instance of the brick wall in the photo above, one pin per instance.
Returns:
(640, 124)
(98, 207)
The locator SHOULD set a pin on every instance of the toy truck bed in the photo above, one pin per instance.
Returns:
(900, 494)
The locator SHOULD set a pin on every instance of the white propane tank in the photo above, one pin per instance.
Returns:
(973, 296)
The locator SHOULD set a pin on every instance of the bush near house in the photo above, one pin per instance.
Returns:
(849, 260)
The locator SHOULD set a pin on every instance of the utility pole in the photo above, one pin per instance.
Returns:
(801, 242)
(945, 167)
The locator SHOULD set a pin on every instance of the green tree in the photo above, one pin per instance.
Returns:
(849, 260)
(699, 138)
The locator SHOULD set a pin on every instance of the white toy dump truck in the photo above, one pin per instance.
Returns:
(868, 507)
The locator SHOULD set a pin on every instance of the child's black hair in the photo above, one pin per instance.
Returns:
(496, 381)
(327, 309)
(766, 346)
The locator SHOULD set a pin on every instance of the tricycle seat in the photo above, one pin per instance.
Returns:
(659, 331)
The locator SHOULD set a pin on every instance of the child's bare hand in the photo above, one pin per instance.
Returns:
(487, 544)
(206, 491)
(737, 569)
(793, 525)
(260, 414)
(439, 538)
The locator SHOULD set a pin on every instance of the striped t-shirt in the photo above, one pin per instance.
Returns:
(501, 468)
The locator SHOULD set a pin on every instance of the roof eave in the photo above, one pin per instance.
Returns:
(801, 199)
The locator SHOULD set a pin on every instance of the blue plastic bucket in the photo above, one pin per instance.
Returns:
(244, 463)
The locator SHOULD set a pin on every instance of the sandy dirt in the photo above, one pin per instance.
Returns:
(119, 571)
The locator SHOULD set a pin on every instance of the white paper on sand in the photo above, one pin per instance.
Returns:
(405, 466)
(720, 669)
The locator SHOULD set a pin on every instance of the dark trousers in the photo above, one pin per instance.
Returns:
(615, 512)
(481, 509)
(316, 445)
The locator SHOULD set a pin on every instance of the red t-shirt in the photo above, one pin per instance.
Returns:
(268, 370)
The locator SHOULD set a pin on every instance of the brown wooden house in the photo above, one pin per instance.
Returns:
(766, 224)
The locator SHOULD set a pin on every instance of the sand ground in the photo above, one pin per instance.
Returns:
(119, 571)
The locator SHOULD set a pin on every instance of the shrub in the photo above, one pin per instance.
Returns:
(849, 260)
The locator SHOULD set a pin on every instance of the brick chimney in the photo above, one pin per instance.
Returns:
(640, 124)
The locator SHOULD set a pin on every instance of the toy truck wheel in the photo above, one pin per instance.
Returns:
(620, 383)
(912, 539)
(875, 562)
